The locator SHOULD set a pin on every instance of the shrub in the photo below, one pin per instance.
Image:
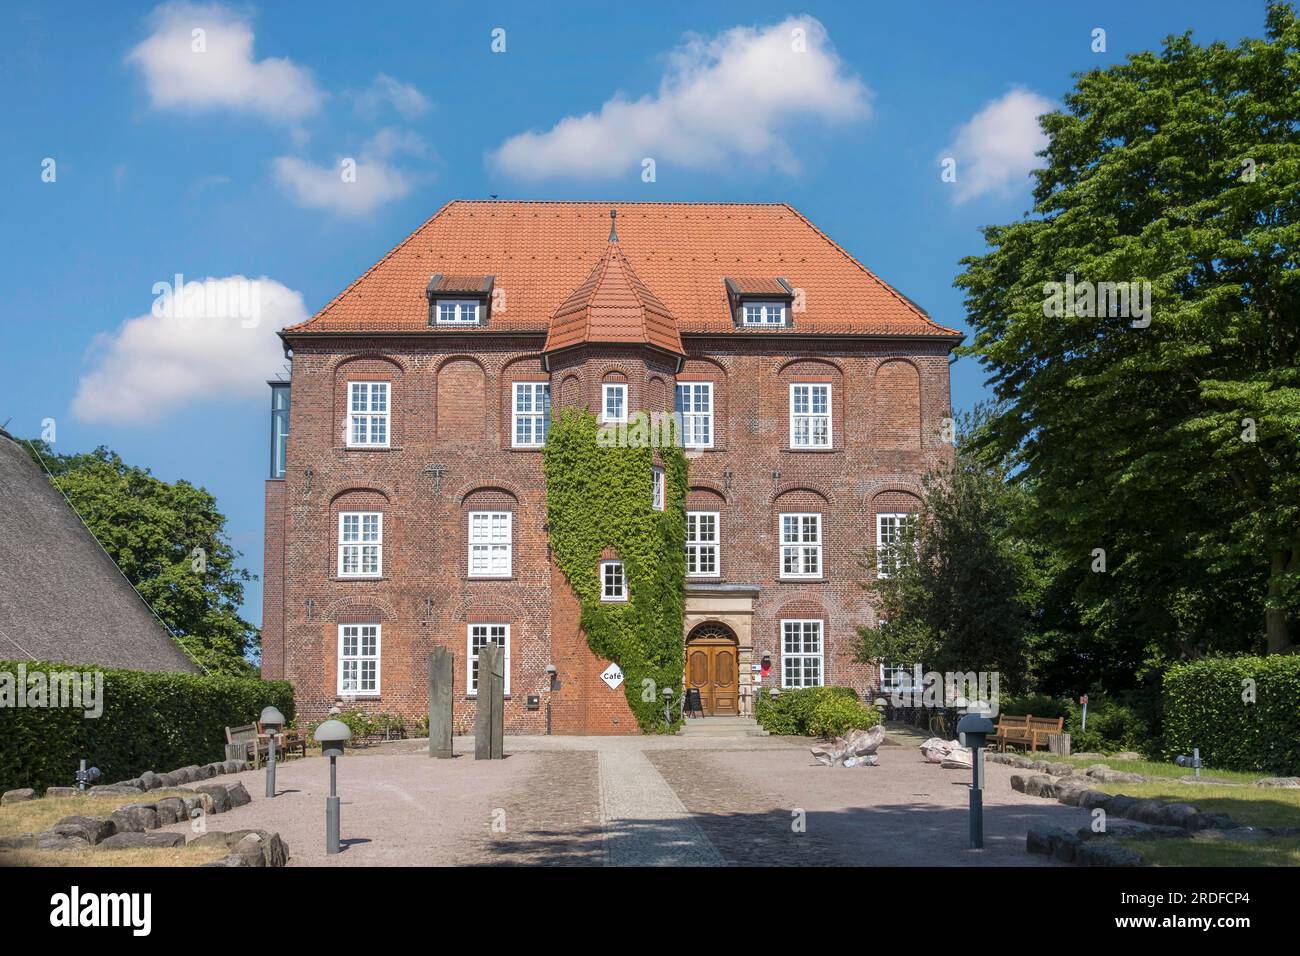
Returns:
(150, 721)
(1206, 705)
(790, 712)
(837, 715)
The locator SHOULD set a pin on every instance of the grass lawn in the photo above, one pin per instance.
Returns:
(180, 856)
(1153, 768)
(1283, 851)
(33, 816)
(1252, 806)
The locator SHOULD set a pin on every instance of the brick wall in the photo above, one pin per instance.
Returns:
(451, 434)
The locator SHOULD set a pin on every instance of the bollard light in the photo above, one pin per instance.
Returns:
(332, 735)
(972, 732)
(272, 720)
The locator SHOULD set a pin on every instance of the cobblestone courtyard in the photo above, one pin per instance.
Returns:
(642, 801)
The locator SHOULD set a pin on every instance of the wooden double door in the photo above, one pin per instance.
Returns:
(711, 668)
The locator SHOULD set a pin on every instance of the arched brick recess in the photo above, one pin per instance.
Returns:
(461, 401)
(898, 406)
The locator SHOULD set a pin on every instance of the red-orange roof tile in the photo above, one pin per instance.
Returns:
(613, 305)
(540, 252)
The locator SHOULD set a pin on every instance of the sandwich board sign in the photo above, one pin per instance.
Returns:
(613, 676)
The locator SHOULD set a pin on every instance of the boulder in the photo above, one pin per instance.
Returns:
(219, 795)
(171, 810)
(91, 830)
(1091, 799)
(238, 795)
(133, 841)
(1040, 785)
(21, 795)
(1043, 840)
(136, 818)
(1101, 853)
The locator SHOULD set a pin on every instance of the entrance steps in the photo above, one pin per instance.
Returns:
(721, 727)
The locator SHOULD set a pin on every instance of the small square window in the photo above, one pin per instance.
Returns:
(458, 311)
(614, 407)
(613, 586)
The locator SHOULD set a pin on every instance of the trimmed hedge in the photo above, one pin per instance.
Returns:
(790, 714)
(150, 721)
(1204, 707)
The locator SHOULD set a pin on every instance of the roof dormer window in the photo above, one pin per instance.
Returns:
(459, 301)
(760, 303)
(760, 313)
(458, 312)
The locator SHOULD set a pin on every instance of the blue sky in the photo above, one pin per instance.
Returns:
(226, 165)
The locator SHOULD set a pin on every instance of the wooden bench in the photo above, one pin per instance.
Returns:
(286, 742)
(1026, 731)
(248, 737)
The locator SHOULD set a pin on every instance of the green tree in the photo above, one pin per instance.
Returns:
(169, 540)
(1169, 446)
(957, 592)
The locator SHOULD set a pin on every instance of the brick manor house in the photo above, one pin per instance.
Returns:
(406, 506)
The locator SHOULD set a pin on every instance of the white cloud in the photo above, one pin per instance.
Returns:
(733, 97)
(216, 70)
(383, 91)
(354, 185)
(995, 150)
(214, 342)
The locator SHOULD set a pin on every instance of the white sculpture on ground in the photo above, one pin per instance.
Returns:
(857, 749)
(949, 754)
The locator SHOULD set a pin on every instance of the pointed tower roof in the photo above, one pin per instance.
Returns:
(613, 306)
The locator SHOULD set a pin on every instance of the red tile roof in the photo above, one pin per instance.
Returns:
(613, 305)
(540, 252)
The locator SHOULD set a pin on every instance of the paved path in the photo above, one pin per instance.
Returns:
(644, 822)
(640, 801)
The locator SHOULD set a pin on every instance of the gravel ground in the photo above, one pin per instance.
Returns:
(636, 801)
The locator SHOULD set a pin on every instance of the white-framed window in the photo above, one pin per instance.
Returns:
(458, 311)
(359, 660)
(657, 489)
(368, 414)
(361, 544)
(478, 635)
(801, 654)
(801, 545)
(614, 404)
(695, 406)
(810, 415)
(764, 313)
(613, 584)
(532, 413)
(895, 679)
(889, 531)
(702, 542)
(490, 544)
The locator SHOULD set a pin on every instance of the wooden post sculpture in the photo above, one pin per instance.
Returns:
(489, 718)
(440, 703)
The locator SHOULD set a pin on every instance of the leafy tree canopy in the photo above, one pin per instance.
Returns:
(1171, 446)
(169, 540)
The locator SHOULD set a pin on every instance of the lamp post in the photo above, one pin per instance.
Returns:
(272, 720)
(332, 735)
(972, 730)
